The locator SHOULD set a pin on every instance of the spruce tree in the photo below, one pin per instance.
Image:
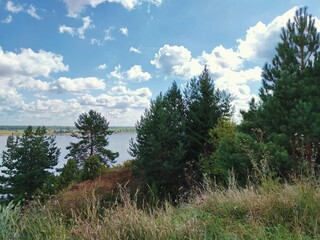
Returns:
(160, 144)
(205, 106)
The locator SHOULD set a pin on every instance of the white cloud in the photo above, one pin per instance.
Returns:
(17, 8)
(11, 7)
(21, 70)
(116, 73)
(135, 50)
(75, 7)
(124, 31)
(86, 25)
(225, 66)
(135, 73)
(64, 84)
(108, 34)
(28, 63)
(32, 11)
(102, 66)
(7, 20)
(123, 90)
(261, 40)
(69, 30)
(221, 58)
(95, 41)
(176, 61)
(119, 97)
(10, 99)
(80, 32)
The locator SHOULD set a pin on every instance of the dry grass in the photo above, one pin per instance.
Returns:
(269, 211)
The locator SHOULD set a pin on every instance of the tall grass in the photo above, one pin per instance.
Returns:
(268, 211)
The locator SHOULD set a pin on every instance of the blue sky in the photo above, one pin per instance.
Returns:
(60, 58)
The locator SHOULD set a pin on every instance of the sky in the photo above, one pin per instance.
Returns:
(60, 58)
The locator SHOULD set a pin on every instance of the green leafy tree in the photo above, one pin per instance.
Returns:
(93, 131)
(248, 157)
(205, 106)
(160, 145)
(27, 163)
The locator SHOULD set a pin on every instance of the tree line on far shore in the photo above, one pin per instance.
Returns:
(186, 137)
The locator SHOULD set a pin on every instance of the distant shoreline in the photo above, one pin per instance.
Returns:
(58, 130)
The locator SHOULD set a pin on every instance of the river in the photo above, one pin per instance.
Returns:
(117, 143)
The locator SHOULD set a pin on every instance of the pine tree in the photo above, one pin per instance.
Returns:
(27, 163)
(290, 91)
(93, 130)
(297, 50)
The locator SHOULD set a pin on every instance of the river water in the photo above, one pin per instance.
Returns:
(117, 143)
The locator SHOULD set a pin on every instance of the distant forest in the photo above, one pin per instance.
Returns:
(61, 129)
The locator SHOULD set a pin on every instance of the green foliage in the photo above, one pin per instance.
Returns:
(27, 163)
(93, 131)
(91, 167)
(247, 156)
(160, 145)
(205, 106)
(290, 95)
(69, 173)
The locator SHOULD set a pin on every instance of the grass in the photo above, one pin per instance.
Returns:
(269, 211)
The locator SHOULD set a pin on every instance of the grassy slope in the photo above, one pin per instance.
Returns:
(270, 211)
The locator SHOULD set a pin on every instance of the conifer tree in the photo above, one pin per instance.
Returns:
(205, 106)
(27, 163)
(93, 139)
(160, 144)
(290, 91)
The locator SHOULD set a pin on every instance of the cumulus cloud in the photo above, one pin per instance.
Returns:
(22, 70)
(75, 7)
(225, 66)
(135, 50)
(134, 74)
(176, 61)
(28, 63)
(10, 99)
(119, 97)
(260, 40)
(64, 84)
(124, 31)
(220, 59)
(123, 90)
(80, 32)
